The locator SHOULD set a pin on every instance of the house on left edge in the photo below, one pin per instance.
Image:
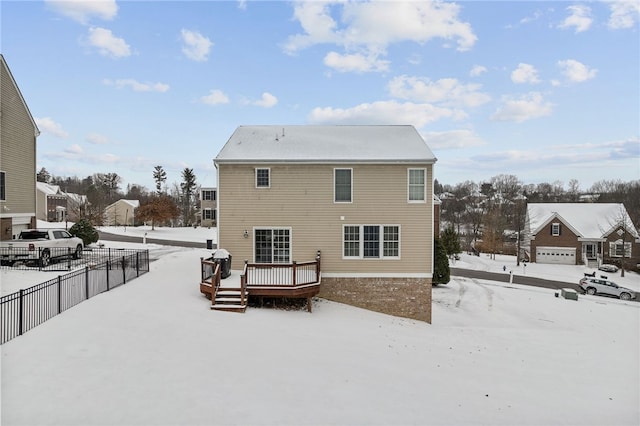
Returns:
(18, 134)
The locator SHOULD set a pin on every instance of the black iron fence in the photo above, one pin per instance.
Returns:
(56, 258)
(25, 309)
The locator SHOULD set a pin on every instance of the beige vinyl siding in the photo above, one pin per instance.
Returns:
(301, 197)
(18, 149)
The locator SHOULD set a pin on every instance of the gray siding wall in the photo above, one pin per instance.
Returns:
(301, 197)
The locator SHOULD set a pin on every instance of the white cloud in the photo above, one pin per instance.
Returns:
(196, 46)
(267, 100)
(477, 70)
(97, 139)
(355, 62)
(527, 107)
(624, 14)
(107, 43)
(215, 97)
(137, 86)
(372, 26)
(455, 139)
(74, 150)
(525, 73)
(47, 125)
(447, 91)
(384, 112)
(575, 71)
(579, 18)
(82, 11)
(242, 4)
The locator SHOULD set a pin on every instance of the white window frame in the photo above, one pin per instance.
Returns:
(272, 229)
(555, 229)
(258, 169)
(381, 241)
(350, 185)
(613, 248)
(423, 185)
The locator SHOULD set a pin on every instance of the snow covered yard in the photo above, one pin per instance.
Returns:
(152, 352)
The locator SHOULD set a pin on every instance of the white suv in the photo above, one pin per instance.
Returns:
(600, 286)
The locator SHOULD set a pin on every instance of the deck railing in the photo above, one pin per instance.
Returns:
(210, 275)
(281, 274)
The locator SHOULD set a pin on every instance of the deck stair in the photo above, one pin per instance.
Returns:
(230, 299)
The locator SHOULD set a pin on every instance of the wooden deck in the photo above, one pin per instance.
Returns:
(294, 280)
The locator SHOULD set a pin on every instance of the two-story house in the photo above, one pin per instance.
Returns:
(208, 207)
(361, 195)
(18, 133)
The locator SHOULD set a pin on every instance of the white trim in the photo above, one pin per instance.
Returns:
(376, 275)
(271, 228)
(381, 241)
(268, 169)
(424, 186)
(334, 185)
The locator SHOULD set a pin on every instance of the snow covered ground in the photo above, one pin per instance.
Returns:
(152, 352)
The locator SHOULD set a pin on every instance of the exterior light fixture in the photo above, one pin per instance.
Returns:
(245, 234)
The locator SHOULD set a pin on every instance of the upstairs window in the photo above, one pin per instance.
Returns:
(209, 214)
(556, 229)
(342, 185)
(262, 178)
(208, 195)
(417, 185)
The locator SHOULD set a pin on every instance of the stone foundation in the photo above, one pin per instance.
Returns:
(403, 297)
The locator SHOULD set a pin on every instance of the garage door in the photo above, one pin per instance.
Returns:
(556, 255)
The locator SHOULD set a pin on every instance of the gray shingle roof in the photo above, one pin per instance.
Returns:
(301, 143)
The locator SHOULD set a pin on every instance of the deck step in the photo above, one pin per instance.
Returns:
(229, 307)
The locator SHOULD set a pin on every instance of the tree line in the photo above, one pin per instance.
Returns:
(489, 216)
(175, 204)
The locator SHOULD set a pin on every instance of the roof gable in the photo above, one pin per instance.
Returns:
(588, 220)
(325, 144)
(24, 103)
(48, 189)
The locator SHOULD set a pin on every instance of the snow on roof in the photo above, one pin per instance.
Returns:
(590, 220)
(132, 203)
(380, 143)
(47, 188)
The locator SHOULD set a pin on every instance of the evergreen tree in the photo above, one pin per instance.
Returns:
(441, 271)
(450, 241)
(160, 177)
(43, 176)
(187, 188)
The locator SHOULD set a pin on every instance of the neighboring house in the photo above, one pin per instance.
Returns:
(51, 203)
(581, 234)
(122, 212)
(208, 207)
(361, 195)
(18, 133)
(55, 205)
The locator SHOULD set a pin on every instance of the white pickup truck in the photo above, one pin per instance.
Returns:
(40, 245)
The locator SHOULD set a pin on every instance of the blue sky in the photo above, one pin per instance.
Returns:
(547, 91)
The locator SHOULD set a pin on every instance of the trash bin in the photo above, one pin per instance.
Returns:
(209, 244)
(223, 258)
